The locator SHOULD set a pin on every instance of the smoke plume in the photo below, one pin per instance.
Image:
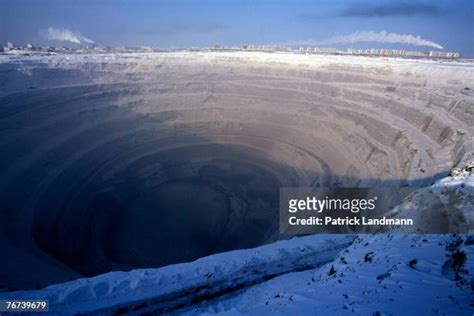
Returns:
(66, 35)
(371, 36)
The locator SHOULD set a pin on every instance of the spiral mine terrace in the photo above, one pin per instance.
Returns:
(142, 160)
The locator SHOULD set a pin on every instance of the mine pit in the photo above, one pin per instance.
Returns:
(145, 162)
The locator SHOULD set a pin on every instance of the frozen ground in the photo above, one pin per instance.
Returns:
(339, 275)
(97, 152)
(385, 284)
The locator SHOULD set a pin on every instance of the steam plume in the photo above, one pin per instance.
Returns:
(66, 35)
(371, 36)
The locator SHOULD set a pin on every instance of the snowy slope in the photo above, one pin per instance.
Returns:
(372, 274)
(447, 205)
(385, 284)
(181, 284)
(399, 274)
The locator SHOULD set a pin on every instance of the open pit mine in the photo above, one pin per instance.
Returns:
(118, 162)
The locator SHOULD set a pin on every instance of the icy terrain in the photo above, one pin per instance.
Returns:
(377, 275)
(98, 151)
(323, 275)
(447, 204)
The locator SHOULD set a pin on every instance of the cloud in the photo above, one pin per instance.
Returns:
(371, 36)
(390, 9)
(65, 35)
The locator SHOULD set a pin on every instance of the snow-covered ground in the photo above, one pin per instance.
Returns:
(371, 277)
(445, 206)
(115, 67)
(182, 284)
(393, 274)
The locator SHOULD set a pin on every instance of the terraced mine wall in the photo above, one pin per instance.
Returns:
(116, 162)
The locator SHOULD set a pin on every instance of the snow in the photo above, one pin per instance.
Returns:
(179, 284)
(372, 274)
(436, 72)
(464, 180)
(385, 284)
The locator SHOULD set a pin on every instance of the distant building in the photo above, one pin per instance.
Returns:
(401, 53)
(318, 50)
(264, 48)
(415, 54)
(7, 47)
(325, 50)
(444, 54)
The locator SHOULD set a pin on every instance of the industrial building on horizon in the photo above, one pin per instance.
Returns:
(335, 51)
(9, 48)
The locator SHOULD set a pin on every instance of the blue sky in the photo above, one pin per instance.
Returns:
(235, 22)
